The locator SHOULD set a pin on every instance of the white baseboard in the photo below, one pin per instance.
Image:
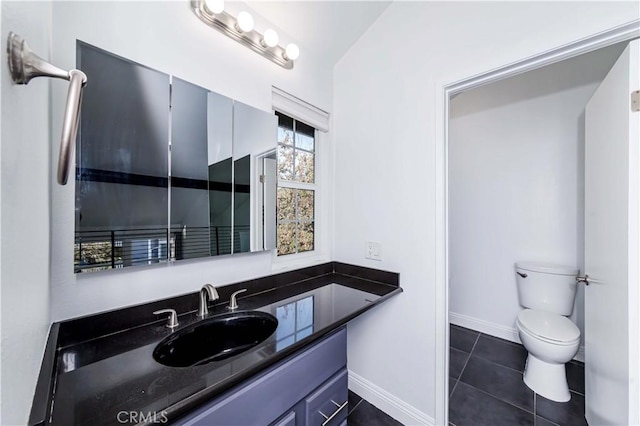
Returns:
(401, 411)
(495, 330)
(486, 327)
(580, 355)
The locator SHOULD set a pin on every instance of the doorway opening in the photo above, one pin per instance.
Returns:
(513, 191)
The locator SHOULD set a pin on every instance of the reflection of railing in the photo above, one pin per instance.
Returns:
(241, 239)
(97, 250)
(192, 241)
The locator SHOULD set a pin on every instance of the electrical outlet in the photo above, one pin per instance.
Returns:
(372, 250)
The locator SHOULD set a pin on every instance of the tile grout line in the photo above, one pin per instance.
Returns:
(453, 389)
(535, 395)
(535, 399)
(500, 365)
(487, 393)
(463, 367)
(470, 352)
(501, 400)
(356, 406)
(511, 368)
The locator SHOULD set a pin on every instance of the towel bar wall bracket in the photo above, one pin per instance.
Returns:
(25, 65)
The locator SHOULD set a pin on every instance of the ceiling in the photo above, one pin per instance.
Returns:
(327, 28)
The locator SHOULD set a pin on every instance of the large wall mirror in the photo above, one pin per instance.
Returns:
(167, 170)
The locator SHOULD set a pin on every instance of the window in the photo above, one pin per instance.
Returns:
(296, 186)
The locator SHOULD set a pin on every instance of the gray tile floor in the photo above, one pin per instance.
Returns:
(486, 387)
(363, 413)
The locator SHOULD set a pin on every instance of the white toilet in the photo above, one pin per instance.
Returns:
(548, 292)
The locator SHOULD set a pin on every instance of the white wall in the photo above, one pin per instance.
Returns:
(516, 186)
(166, 36)
(25, 215)
(387, 92)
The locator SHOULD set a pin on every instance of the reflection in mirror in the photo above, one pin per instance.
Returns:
(200, 171)
(189, 214)
(266, 228)
(242, 204)
(122, 164)
(167, 170)
(254, 135)
(220, 131)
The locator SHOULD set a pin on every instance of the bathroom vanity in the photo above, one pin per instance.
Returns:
(100, 369)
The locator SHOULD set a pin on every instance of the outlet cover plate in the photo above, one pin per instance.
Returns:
(373, 250)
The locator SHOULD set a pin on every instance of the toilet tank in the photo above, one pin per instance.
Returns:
(547, 287)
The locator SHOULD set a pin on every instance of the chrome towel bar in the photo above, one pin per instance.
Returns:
(25, 65)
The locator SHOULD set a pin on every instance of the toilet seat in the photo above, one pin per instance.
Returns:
(548, 327)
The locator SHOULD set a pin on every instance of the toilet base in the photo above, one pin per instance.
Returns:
(546, 379)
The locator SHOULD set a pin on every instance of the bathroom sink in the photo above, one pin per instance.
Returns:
(215, 338)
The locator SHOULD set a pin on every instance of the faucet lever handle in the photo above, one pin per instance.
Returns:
(172, 320)
(233, 304)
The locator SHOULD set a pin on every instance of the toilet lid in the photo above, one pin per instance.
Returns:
(549, 326)
(548, 268)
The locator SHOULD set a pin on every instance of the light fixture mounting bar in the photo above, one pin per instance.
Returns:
(226, 24)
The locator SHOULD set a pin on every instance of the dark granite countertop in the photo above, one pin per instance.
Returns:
(98, 366)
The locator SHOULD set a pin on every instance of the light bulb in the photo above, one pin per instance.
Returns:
(292, 51)
(215, 6)
(245, 21)
(270, 38)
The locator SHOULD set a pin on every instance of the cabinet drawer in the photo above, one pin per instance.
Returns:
(328, 404)
(266, 397)
(288, 420)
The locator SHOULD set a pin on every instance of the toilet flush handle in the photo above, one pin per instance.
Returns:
(584, 279)
(522, 275)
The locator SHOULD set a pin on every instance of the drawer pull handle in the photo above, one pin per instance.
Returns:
(329, 418)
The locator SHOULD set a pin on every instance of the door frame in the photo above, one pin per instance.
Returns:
(597, 41)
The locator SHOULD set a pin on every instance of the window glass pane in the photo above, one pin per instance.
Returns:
(305, 237)
(304, 167)
(286, 204)
(305, 129)
(295, 207)
(284, 121)
(305, 204)
(285, 136)
(304, 141)
(285, 162)
(286, 238)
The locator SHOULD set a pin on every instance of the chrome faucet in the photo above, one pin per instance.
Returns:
(233, 304)
(208, 293)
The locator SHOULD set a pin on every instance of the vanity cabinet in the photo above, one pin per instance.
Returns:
(308, 388)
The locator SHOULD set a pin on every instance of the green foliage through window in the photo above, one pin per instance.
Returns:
(296, 186)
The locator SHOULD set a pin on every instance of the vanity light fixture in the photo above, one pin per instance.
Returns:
(245, 22)
(270, 38)
(212, 13)
(292, 52)
(215, 6)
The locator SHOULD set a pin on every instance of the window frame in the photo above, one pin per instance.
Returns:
(319, 120)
